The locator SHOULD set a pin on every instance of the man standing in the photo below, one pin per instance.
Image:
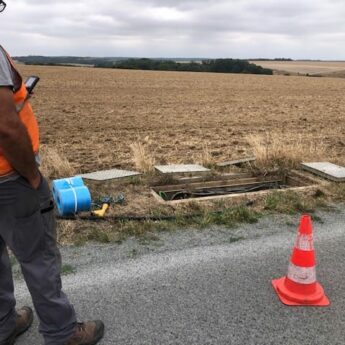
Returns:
(27, 226)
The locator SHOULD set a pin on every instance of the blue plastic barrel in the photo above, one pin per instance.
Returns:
(71, 196)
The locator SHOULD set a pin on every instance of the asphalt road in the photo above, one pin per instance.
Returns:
(211, 294)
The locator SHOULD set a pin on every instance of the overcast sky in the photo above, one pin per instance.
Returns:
(313, 29)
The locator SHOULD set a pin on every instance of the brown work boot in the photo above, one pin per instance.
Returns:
(87, 333)
(24, 320)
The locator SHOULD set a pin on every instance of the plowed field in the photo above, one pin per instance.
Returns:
(93, 115)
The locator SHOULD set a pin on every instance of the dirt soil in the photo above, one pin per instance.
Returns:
(93, 115)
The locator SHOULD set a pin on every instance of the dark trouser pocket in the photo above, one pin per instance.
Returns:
(28, 237)
(49, 222)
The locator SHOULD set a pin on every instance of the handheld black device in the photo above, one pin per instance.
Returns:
(31, 82)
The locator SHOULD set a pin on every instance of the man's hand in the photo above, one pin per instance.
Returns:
(15, 141)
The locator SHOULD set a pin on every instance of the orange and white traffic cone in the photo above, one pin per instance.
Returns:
(300, 286)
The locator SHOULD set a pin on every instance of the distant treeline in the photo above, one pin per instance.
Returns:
(216, 66)
(276, 59)
(64, 60)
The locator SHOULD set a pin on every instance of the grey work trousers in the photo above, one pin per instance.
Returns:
(27, 227)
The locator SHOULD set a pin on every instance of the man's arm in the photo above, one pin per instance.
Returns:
(15, 141)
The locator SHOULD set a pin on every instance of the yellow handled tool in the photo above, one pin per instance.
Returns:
(102, 211)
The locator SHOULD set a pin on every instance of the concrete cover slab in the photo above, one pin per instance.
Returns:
(109, 175)
(180, 168)
(327, 170)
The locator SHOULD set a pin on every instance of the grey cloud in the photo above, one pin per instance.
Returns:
(237, 28)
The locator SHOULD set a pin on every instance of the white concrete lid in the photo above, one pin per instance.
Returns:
(109, 175)
(327, 169)
(181, 168)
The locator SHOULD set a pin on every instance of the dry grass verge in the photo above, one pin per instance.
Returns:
(206, 156)
(336, 192)
(54, 163)
(142, 156)
(278, 151)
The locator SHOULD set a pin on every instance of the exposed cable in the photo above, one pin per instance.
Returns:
(184, 194)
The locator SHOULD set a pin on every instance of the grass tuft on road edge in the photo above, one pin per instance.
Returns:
(67, 269)
(291, 203)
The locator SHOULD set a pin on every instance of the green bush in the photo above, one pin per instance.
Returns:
(215, 66)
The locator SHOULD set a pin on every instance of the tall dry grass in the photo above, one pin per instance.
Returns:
(282, 152)
(54, 163)
(206, 156)
(142, 155)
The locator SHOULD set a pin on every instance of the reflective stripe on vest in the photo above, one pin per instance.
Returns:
(20, 106)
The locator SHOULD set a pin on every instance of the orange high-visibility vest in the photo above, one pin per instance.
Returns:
(27, 116)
